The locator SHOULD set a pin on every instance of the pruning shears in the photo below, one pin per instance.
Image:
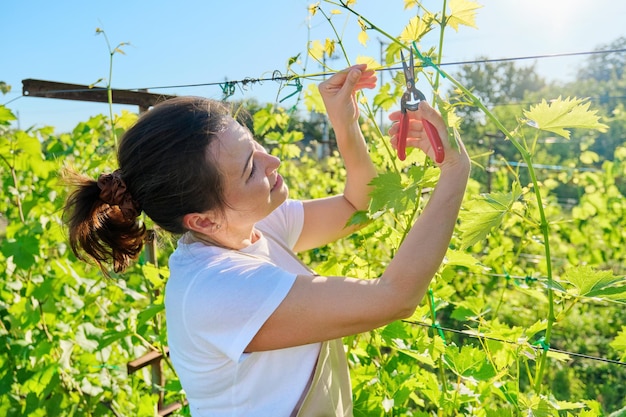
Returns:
(410, 101)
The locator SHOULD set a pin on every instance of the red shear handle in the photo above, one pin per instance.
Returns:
(435, 141)
(404, 130)
(431, 132)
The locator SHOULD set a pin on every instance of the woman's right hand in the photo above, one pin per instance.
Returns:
(417, 137)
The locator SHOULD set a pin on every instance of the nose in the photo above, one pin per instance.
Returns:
(272, 163)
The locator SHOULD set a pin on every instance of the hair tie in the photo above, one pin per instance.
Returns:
(113, 192)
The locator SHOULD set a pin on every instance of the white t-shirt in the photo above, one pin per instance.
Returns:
(216, 300)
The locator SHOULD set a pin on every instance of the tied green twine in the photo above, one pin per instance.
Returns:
(228, 89)
(542, 343)
(528, 280)
(298, 86)
(508, 278)
(435, 324)
(427, 62)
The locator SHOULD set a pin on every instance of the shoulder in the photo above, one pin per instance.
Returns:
(211, 263)
(200, 271)
(285, 223)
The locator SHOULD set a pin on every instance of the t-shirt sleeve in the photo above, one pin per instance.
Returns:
(285, 223)
(227, 303)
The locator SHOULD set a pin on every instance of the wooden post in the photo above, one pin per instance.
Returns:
(153, 358)
(66, 91)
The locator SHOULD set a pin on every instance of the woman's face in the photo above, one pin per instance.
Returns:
(252, 186)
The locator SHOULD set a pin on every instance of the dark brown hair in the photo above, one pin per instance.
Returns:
(164, 167)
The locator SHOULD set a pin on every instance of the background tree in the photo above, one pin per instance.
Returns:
(602, 78)
(606, 66)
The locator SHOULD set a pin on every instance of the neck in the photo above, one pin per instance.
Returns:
(226, 241)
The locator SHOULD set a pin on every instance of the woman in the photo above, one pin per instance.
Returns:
(251, 331)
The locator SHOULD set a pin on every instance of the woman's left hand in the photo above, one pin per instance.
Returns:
(338, 93)
(325, 218)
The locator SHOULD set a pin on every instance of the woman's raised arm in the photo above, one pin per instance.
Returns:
(325, 219)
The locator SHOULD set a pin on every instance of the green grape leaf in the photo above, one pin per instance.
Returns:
(423, 176)
(415, 29)
(388, 192)
(25, 153)
(6, 116)
(464, 259)
(619, 343)
(313, 99)
(561, 114)
(23, 250)
(267, 119)
(392, 54)
(593, 283)
(568, 405)
(537, 406)
(149, 313)
(155, 275)
(418, 356)
(470, 306)
(395, 330)
(283, 138)
(484, 213)
(111, 337)
(40, 380)
(469, 361)
(462, 12)
(617, 293)
(535, 328)
(359, 217)
(384, 98)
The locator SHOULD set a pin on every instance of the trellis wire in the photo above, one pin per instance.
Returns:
(227, 87)
(538, 345)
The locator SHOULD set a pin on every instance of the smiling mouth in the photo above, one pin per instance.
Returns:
(278, 183)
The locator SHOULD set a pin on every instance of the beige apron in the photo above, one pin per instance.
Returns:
(330, 394)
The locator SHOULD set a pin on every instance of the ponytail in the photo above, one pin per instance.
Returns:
(102, 220)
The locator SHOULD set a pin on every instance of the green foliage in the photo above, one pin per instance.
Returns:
(66, 333)
(524, 274)
(517, 229)
(619, 344)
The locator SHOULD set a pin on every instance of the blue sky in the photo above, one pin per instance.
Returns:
(194, 42)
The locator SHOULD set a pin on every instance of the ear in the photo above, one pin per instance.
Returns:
(205, 223)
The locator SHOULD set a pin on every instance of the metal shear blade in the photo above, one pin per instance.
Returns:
(412, 96)
(410, 101)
